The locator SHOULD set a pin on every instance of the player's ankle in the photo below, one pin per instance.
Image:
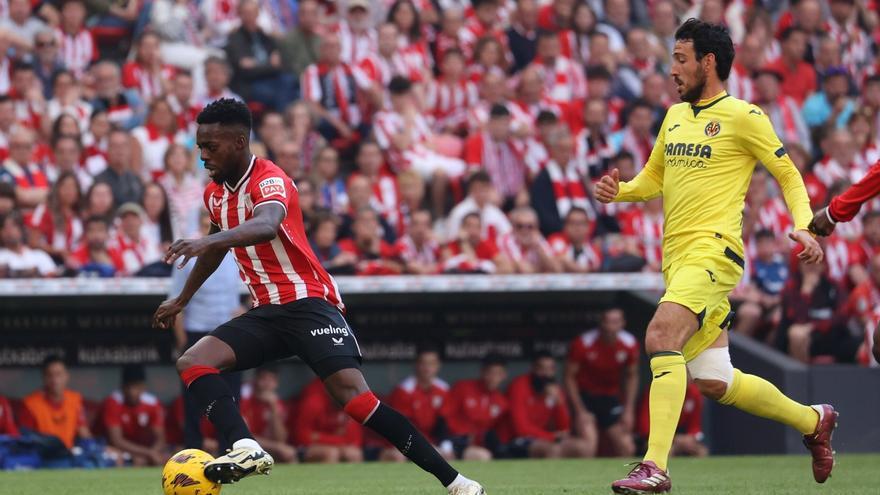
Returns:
(459, 480)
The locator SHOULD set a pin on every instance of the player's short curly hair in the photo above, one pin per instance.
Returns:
(709, 38)
(226, 111)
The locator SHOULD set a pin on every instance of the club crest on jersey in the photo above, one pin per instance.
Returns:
(713, 128)
(273, 186)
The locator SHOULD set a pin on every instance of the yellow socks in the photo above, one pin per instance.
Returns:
(665, 402)
(757, 396)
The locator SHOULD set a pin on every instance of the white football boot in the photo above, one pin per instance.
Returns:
(237, 464)
(468, 487)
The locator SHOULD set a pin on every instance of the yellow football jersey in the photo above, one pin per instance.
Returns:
(702, 163)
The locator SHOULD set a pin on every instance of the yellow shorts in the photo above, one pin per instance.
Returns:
(700, 280)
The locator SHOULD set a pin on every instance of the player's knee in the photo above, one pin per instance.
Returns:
(361, 407)
(712, 389)
(185, 362)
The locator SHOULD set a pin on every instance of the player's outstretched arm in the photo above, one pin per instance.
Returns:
(845, 207)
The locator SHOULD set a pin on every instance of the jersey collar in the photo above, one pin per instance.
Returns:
(707, 103)
(243, 177)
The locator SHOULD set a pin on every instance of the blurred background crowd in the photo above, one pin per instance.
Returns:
(434, 136)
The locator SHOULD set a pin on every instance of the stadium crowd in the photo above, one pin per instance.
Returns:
(593, 410)
(433, 136)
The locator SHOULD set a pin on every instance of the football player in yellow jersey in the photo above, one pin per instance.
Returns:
(701, 164)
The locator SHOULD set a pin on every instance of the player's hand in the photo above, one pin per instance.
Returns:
(186, 249)
(608, 186)
(167, 311)
(820, 224)
(812, 252)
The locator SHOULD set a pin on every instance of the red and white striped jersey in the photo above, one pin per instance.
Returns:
(154, 144)
(840, 254)
(77, 51)
(478, 30)
(508, 245)
(426, 254)
(186, 113)
(545, 104)
(386, 198)
(388, 124)
(135, 254)
(854, 43)
(565, 81)
(773, 216)
(355, 46)
(284, 269)
(587, 256)
(740, 83)
(593, 153)
(337, 90)
(464, 41)
(639, 147)
(449, 102)
(43, 220)
(503, 161)
(147, 84)
(478, 117)
(380, 70)
(648, 230)
(828, 171)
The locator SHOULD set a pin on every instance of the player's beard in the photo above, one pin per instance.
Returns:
(693, 94)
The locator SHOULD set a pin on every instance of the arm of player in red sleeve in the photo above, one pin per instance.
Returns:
(519, 414)
(844, 207)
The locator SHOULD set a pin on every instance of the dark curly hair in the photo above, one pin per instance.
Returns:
(709, 38)
(226, 111)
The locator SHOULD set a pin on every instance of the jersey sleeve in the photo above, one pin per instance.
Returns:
(271, 186)
(758, 138)
(844, 208)
(648, 183)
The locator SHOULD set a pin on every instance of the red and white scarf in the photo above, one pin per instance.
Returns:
(569, 189)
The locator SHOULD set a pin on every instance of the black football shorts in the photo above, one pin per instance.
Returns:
(310, 328)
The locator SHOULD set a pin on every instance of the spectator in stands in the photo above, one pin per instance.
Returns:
(134, 420)
(67, 152)
(839, 156)
(123, 181)
(157, 228)
(333, 90)
(218, 74)
(7, 419)
(374, 255)
(299, 47)
(832, 105)
(539, 421)
(782, 109)
(20, 27)
(301, 123)
(56, 410)
(602, 380)
(182, 102)
(94, 140)
(185, 191)
(560, 185)
(573, 246)
(480, 196)
(526, 247)
(564, 79)
(420, 398)
(288, 157)
(323, 430)
(593, 146)
(7, 198)
(99, 201)
(323, 241)
(181, 32)
(78, 47)
(31, 183)
(47, 64)
(385, 198)
(501, 155)
(470, 252)
(356, 32)
(862, 310)
(636, 137)
(256, 61)
(94, 257)
(419, 251)
(217, 301)
(812, 324)
(760, 299)
(406, 137)
(55, 226)
(360, 196)
(17, 260)
(798, 76)
(147, 73)
(123, 106)
(151, 141)
(522, 35)
(412, 193)
(473, 410)
(748, 60)
(688, 439)
(308, 201)
(266, 415)
(451, 94)
(137, 250)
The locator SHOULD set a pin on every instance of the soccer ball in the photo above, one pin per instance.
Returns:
(183, 474)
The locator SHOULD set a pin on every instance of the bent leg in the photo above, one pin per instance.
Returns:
(348, 387)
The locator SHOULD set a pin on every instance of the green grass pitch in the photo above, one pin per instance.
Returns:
(782, 475)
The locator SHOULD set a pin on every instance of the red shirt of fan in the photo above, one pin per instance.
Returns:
(284, 269)
(319, 421)
(471, 409)
(258, 414)
(419, 405)
(601, 364)
(138, 421)
(534, 415)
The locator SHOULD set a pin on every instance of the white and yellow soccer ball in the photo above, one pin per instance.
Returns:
(183, 474)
